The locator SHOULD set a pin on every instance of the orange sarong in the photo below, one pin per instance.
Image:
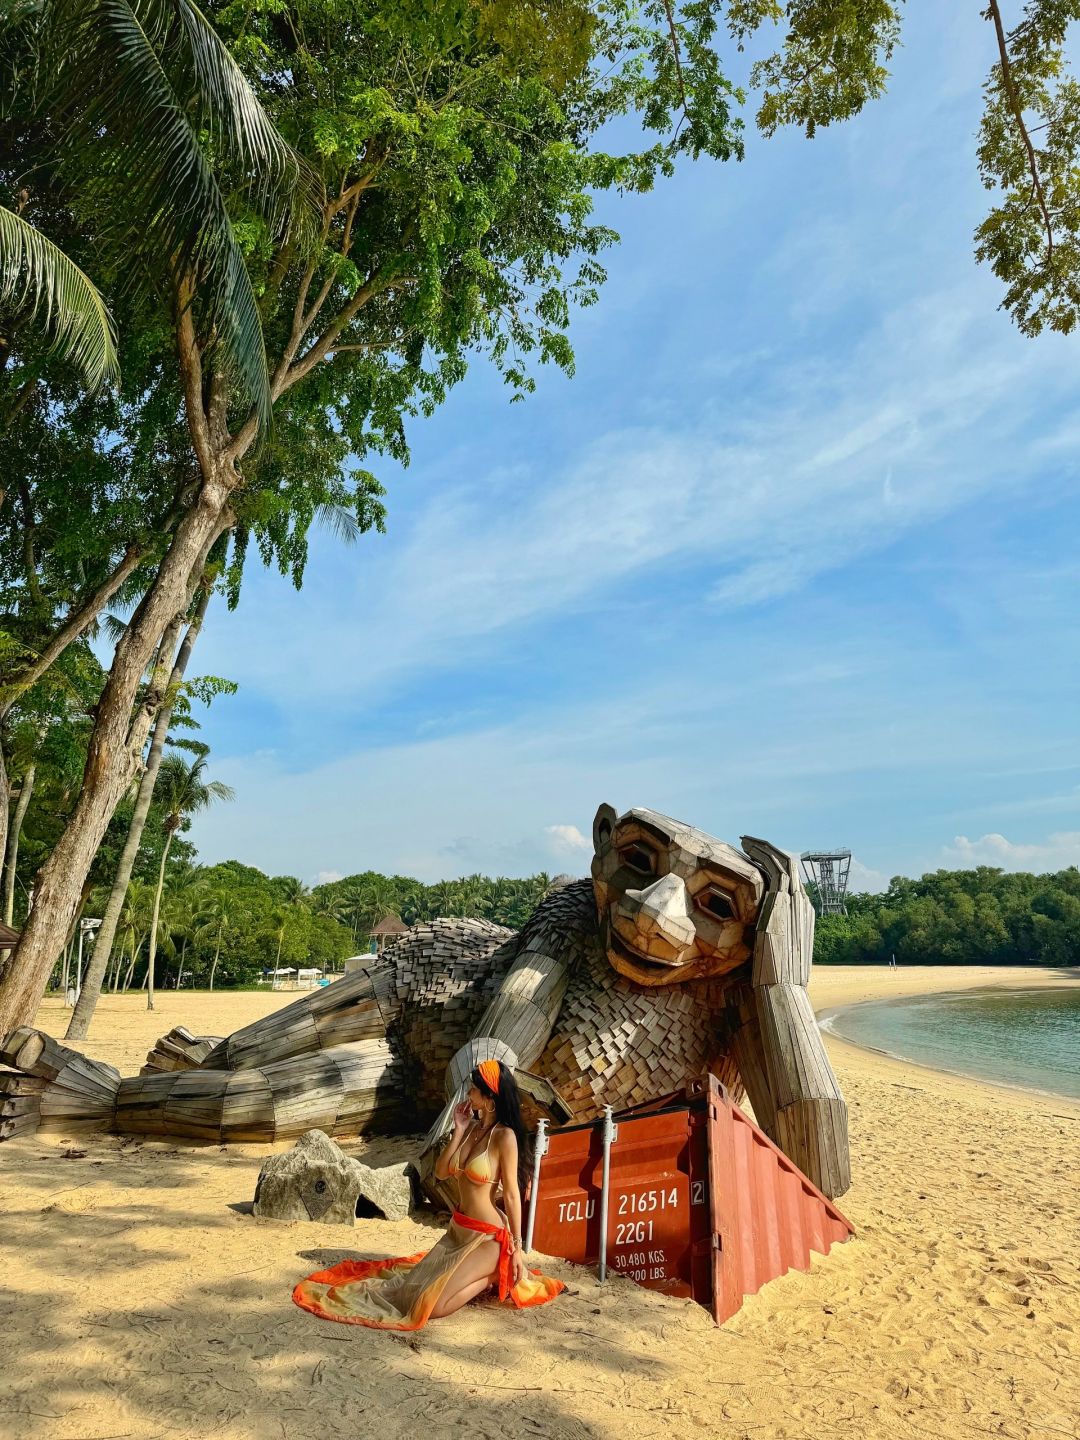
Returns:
(400, 1294)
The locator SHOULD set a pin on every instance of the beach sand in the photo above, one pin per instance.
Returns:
(140, 1301)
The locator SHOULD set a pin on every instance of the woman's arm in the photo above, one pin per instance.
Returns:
(508, 1170)
(454, 1144)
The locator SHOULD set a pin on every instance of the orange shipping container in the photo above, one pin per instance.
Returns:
(702, 1203)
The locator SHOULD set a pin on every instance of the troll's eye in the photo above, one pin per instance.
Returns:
(638, 857)
(715, 903)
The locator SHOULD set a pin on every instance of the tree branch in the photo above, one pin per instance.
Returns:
(71, 629)
(192, 377)
(1009, 83)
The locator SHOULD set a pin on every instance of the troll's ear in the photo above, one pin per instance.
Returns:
(784, 939)
(602, 827)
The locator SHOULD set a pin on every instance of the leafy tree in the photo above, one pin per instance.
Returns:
(185, 792)
(458, 148)
(959, 917)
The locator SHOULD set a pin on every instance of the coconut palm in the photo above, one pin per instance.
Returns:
(152, 120)
(135, 916)
(179, 905)
(184, 792)
(211, 920)
(329, 904)
(292, 890)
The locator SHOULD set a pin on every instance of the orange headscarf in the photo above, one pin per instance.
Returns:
(489, 1072)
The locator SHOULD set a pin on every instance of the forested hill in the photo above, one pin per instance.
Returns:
(359, 901)
(959, 917)
(225, 924)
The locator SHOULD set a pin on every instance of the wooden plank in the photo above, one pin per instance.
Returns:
(18, 1125)
(12, 1083)
(11, 1106)
(140, 1104)
(36, 1053)
(247, 1111)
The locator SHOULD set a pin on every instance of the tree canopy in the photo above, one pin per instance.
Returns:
(307, 219)
(959, 917)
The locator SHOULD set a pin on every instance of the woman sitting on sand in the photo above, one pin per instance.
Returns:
(482, 1246)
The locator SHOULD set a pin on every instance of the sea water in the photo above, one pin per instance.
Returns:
(1029, 1038)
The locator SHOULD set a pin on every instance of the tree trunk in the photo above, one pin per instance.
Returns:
(114, 753)
(120, 962)
(180, 972)
(213, 967)
(11, 852)
(5, 800)
(134, 958)
(84, 1010)
(152, 954)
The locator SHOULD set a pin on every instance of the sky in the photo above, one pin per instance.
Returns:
(792, 555)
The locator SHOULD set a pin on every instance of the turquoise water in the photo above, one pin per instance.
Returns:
(1029, 1038)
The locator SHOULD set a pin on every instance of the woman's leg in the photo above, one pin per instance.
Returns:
(472, 1277)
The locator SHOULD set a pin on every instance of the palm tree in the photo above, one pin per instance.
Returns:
(443, 898)
(294, 895)
(131, 91)
(179, 904)
(184, 793)
(134, 923)
(211, 922)
(292, 890)
(330, 904)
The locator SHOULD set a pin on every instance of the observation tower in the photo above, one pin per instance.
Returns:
(827, 871)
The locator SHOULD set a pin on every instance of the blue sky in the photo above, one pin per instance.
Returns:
(793, 554)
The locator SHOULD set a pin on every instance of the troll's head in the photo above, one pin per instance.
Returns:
(674, 903)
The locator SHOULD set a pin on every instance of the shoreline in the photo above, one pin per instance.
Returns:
(825, 1019)
(838, 988)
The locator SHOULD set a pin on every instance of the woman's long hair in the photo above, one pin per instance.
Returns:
(508, 1112)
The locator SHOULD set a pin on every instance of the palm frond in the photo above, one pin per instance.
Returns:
(37, 277)
(116, 103)
(113, 628)
(340, 521)
(285, 187)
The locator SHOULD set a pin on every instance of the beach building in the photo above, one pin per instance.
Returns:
(389, 929)
(289, 978)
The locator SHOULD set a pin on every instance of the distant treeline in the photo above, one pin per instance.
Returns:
(225, 924)
(959, 917)
(359, 901)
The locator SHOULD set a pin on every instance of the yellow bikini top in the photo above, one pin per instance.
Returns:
(479, 1169)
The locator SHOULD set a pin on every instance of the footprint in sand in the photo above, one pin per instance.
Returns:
(1035, 1262)
(1012, 1277)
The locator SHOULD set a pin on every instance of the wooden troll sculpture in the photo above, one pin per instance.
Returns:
(680, 955)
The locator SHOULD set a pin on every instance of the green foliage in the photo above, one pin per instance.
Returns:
(153, 127)
(831, 62)
(361, 901)
(39, 283)
(244, 922)
(959, 917)
(1029, 150)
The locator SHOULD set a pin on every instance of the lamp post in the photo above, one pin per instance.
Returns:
(88, 928)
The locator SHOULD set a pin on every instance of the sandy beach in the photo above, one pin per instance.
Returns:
(140, 1300)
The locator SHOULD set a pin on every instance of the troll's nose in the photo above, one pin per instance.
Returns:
(663, 910)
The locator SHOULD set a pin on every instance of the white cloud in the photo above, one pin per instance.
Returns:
(1056, 852)
(827, 461)
(327, 877)
(568, 838)
(865, 881)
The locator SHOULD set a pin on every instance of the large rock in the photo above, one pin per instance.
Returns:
(316, 1180)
